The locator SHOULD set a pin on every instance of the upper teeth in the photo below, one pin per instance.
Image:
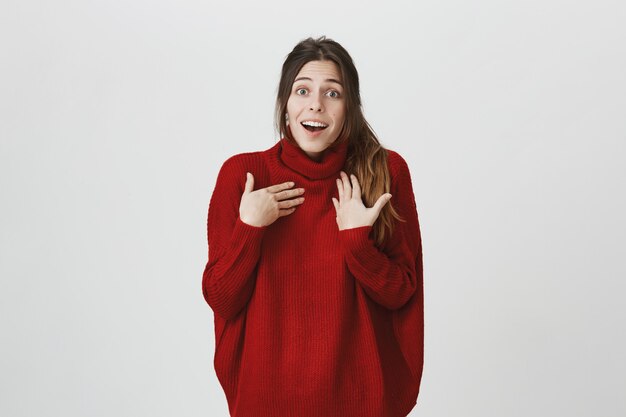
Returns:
(314, 124)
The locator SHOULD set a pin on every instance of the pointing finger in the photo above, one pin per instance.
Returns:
(340, 189)
(347, 189)
(356, 188)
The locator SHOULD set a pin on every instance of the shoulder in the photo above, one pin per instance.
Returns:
(400, 177)
(233, 170)
(401, 186)
(398, 166)
(243, 162)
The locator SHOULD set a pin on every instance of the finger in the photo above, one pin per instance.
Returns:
(290, 203)
(286, 212)
(279, 187)
(340, 190)
(336, 204)
(347, 188)
(288, 194)
(249, 183)
(356, 188)
(380, 203)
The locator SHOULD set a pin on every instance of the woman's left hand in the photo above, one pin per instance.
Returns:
(351, 212)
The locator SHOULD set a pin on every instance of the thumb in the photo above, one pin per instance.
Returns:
(380, 203)
(249, 183)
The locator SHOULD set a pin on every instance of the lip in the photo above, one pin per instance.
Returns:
(315, 120)
(313, 134)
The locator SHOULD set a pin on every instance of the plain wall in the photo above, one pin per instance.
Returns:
(116, 116)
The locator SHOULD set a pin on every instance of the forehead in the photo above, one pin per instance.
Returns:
(320, 70)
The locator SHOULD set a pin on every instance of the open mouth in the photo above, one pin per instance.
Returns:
(313, 126)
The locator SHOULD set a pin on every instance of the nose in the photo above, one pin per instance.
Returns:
(316, 104)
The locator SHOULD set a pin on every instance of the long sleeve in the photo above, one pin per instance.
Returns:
(234, 246)
(391, 276)
(288, 299)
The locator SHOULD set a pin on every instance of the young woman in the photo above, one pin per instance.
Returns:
(314, 269)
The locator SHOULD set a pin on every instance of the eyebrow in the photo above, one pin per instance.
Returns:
(332, 80)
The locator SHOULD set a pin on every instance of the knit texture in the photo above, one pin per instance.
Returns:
(311, 321)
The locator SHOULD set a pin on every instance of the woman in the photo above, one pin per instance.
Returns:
(314, 270)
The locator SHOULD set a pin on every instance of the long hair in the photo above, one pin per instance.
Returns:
(366, 158)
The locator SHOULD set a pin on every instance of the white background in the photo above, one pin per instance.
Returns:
(115, 117)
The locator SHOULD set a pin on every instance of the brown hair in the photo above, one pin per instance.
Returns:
(366, 157)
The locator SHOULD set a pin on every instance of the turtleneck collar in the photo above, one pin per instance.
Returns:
(332, 162)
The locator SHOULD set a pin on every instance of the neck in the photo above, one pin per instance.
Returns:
(315, 156)
(314, 165)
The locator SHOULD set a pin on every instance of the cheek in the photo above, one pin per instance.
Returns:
(291, 108)
(339, 115)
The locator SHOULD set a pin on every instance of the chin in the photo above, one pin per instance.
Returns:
(313, 145)
(315, 142)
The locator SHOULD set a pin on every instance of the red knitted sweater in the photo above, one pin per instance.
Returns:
(311, 321)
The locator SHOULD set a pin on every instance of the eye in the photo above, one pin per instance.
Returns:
(300, 89)
(336, 94)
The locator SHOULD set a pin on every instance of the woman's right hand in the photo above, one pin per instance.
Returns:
(262, 207)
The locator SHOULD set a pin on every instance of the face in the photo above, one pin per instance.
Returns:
(316, 107)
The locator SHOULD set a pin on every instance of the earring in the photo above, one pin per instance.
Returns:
(287, 118)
